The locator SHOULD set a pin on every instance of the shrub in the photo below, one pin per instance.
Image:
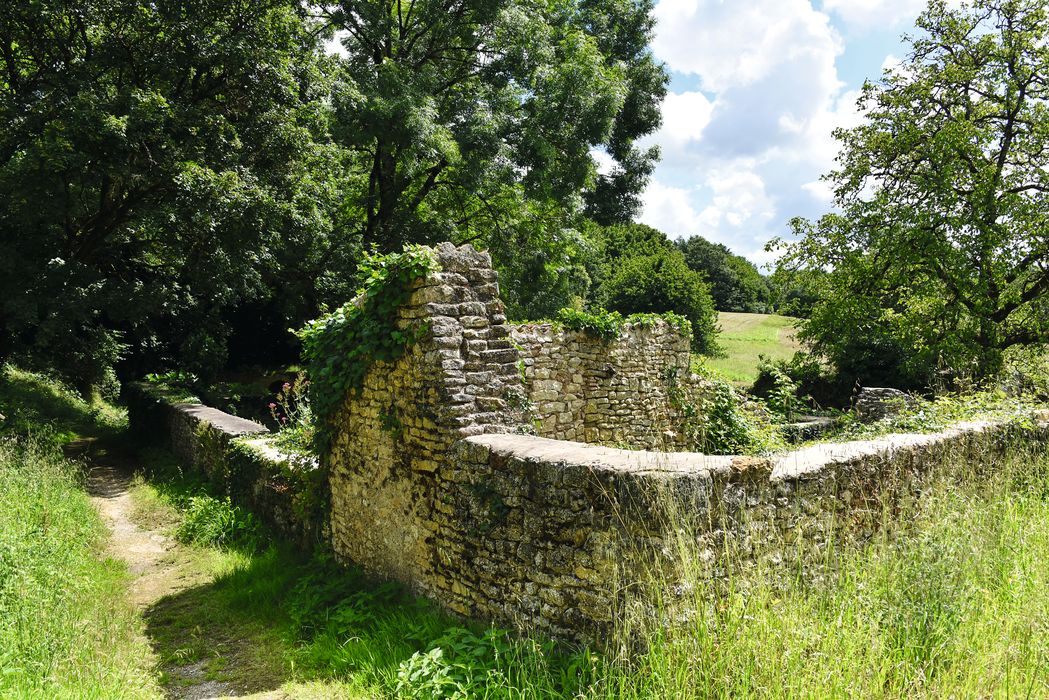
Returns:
(663, 282)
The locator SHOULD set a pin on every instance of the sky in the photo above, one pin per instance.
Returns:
(757, 87)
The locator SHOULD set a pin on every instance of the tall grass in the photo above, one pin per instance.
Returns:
(955, 605)
(66, 630)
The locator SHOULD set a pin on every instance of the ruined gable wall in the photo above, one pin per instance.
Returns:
(613, 392)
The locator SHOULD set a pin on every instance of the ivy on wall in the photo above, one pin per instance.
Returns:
(609, 324)
(339, 347)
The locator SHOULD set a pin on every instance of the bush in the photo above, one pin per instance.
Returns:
(813, 382)
(663, 282)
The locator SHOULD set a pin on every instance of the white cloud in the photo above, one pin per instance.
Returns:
(740, 207)
(685, 116)
(869, 13)
(752, 156)
(604, 163)
(668, 209)
(735, 43)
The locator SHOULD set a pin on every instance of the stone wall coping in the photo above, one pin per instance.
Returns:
(808, 461)
(597, 457)
(549, 326)
(234, 426)
(263, 444)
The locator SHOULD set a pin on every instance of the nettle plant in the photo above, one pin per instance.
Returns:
(339, 347)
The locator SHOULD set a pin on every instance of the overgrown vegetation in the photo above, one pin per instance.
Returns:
(955, 604)
(66, 628)
(339, 347)
(65, 625)
(609, 324)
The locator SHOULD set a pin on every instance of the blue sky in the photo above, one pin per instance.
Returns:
(757, 87)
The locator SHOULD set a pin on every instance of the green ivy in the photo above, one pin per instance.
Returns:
(609, 324)
(339, 347)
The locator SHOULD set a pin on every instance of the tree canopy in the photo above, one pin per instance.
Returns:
(186, 179)
(735, 283)
(157, 164)
(940, 250)
(474, 121)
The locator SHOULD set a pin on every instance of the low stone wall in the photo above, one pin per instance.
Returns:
(550, 535)
(235, 454)
(588, 389)
(436, 481)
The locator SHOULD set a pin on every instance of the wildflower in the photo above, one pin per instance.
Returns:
(273, 405)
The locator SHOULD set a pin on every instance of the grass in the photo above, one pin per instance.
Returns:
(744, 337)
(66, 628)
(266, 617)
(955, 606)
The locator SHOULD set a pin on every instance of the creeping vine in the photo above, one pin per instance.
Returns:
(339, 347)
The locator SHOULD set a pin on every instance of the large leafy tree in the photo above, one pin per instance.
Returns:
(474, 121)
(735, 283)
(939, 257)
(640, 271)
(158, 167)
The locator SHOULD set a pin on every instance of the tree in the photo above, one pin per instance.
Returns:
(941, 247)
(735, 284)
(661, 282)
(474, 121)
(159, 165)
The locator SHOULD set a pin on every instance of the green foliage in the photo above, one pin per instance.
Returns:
(663, 282)
(66, 628)
(927, 415)
(161, 165)
(718, 420)
(216, 522)
(813, 382)
(599, 322)
(609, 324)
(459, 132)
(460, 665)
(339, 347)
(735, 284)
(31, 402)
(293, 415)
(937, 257)
(782, 397)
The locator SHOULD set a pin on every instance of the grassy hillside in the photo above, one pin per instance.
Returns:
(746, 336)
(66, 628)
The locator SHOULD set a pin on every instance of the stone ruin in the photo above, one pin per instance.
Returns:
(481, 468)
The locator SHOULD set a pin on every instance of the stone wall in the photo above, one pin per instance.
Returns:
(436, 483)
(552, 535)
(396, 433)
(236, 455)
(588, 389)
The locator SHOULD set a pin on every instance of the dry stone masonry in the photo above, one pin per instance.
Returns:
(587, 389)
(445, 473)
(236, 455)
(445, 477)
